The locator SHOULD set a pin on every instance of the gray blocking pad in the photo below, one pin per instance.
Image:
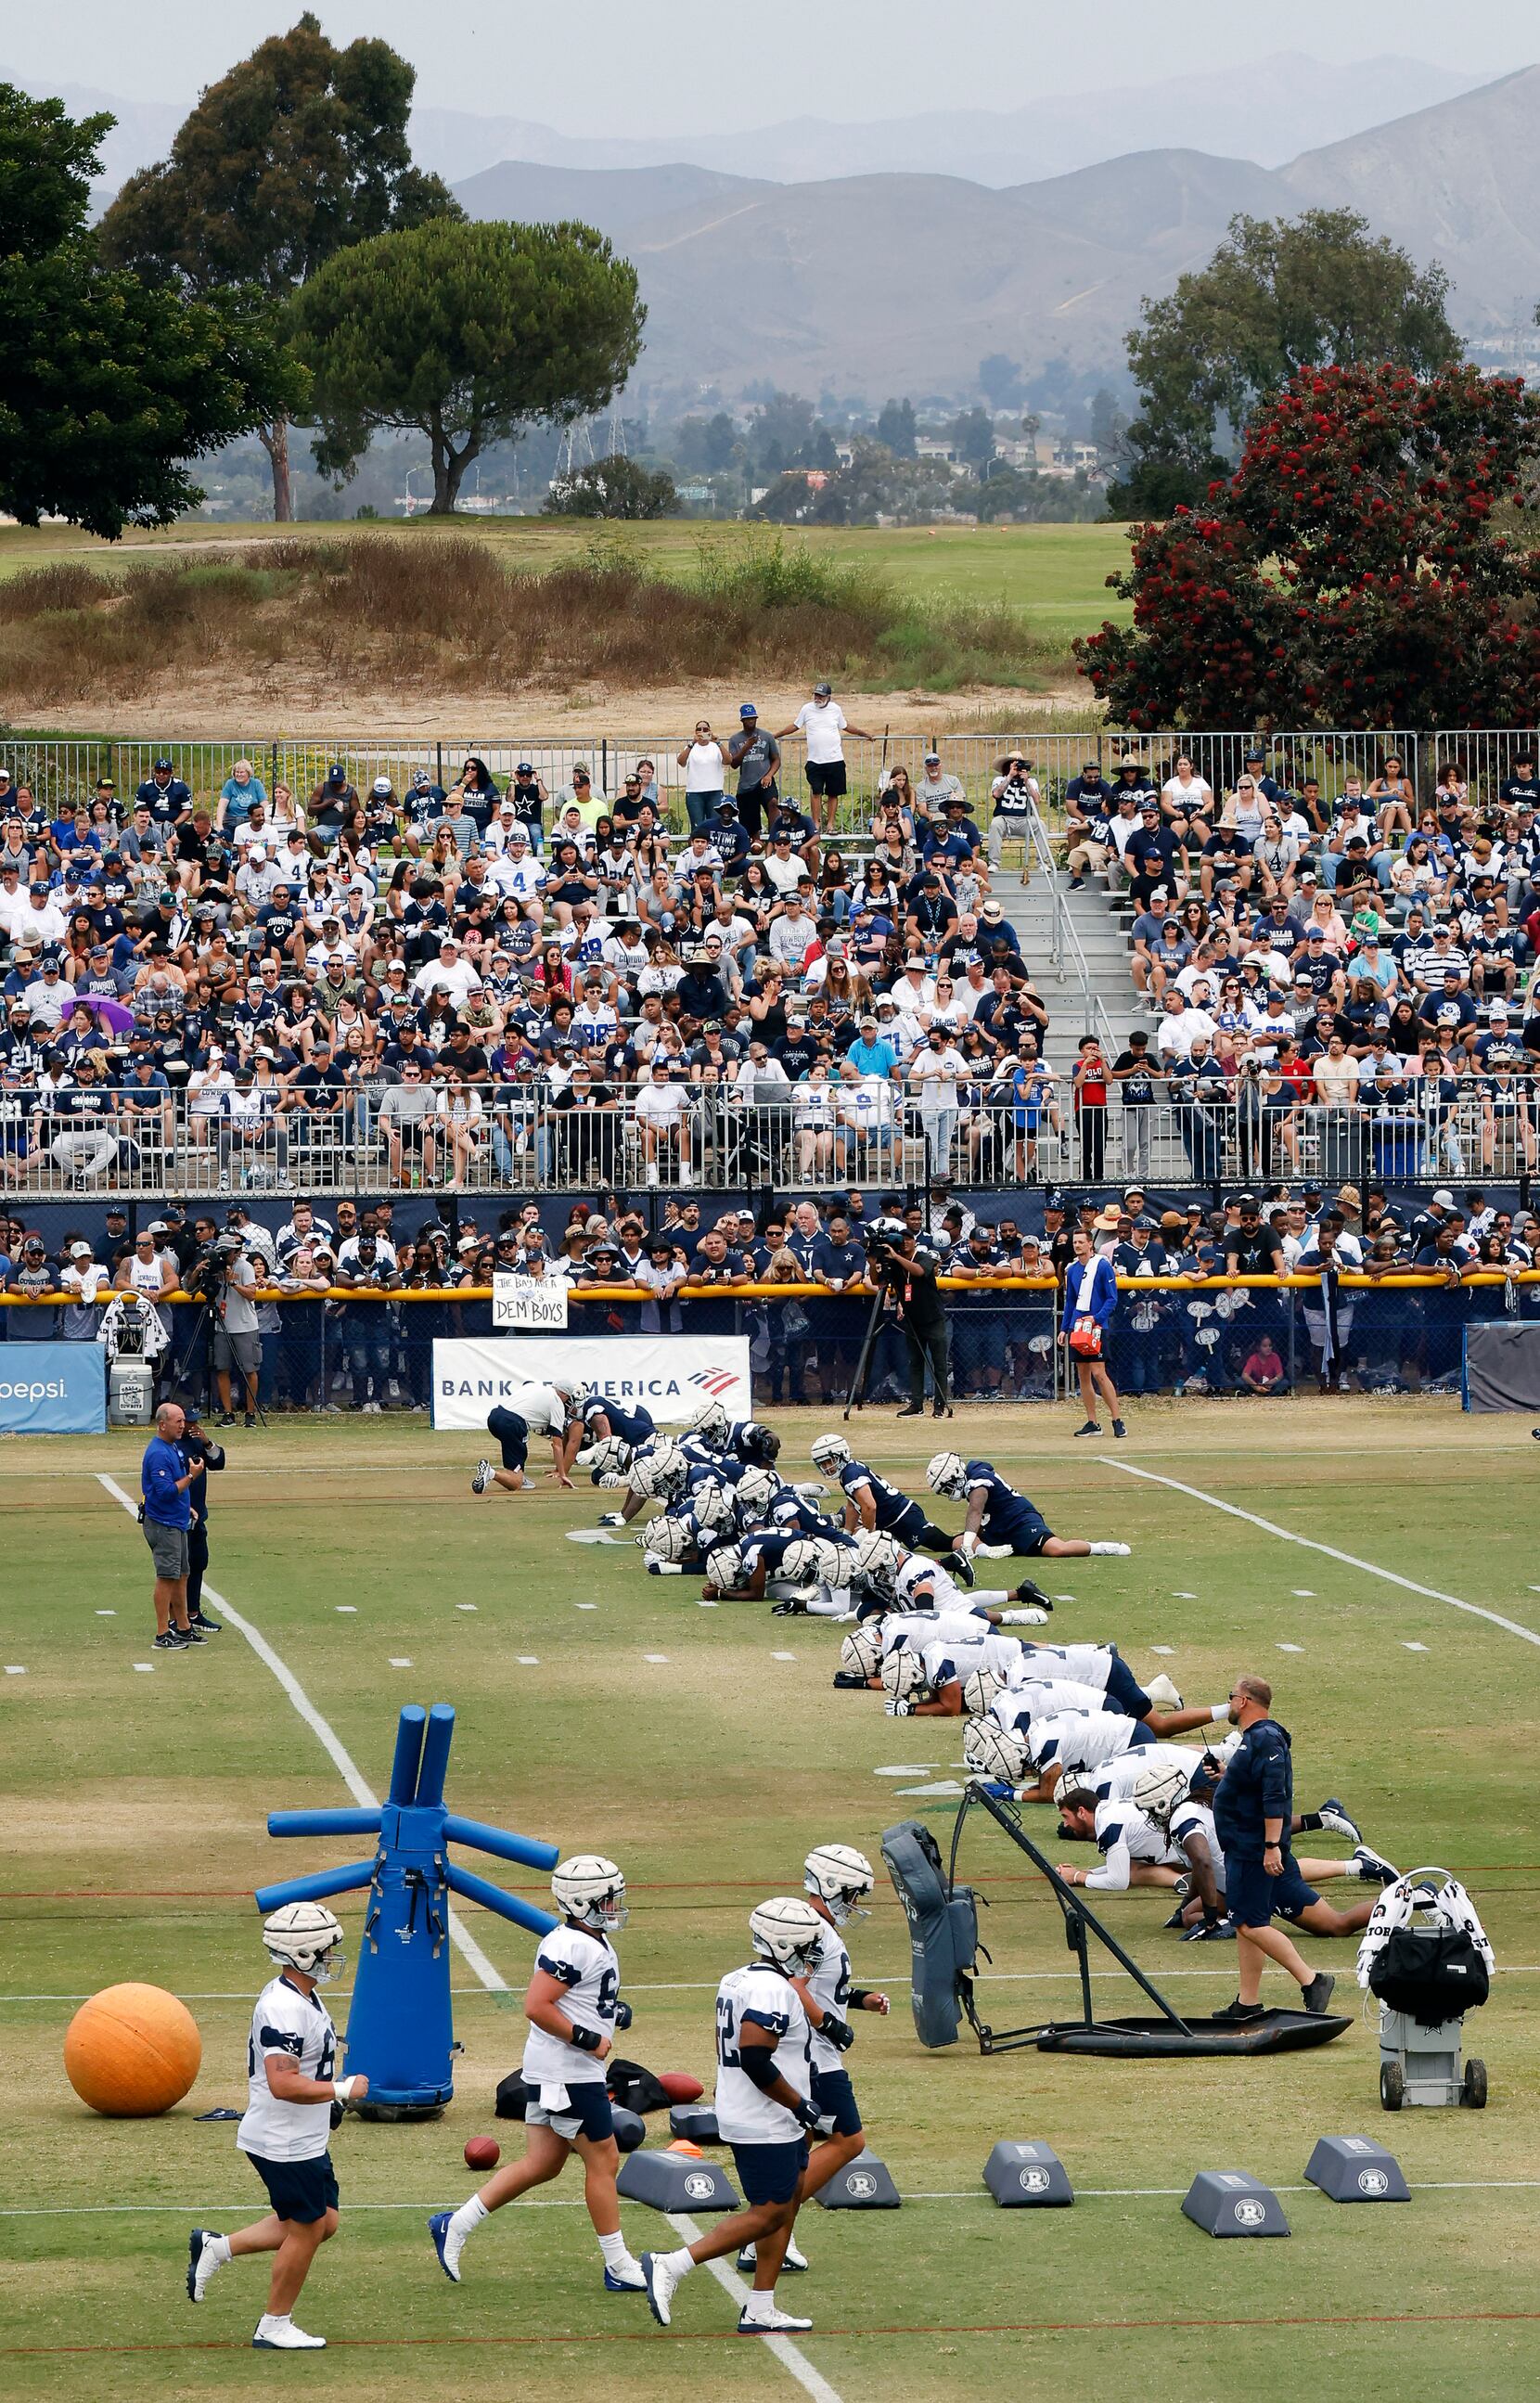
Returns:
(631, 2129)
(694, 2121)
(863, 2184)
(1025, 2174)
(1231, 2202)
(1355, 2169)
(673, 2182)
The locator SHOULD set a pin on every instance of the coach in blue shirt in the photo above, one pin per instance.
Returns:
(164, 1477)
(1254, 1818)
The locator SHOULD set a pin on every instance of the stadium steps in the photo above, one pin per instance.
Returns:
(1103, 935)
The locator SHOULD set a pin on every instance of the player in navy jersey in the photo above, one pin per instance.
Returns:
(1001, 1520)
(873, 1501)
(573, 2005)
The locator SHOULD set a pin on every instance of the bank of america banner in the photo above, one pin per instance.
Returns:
(669, 1375)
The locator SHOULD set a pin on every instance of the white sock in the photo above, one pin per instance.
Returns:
(760, 2304)
(468, 2218)
(272, 2321)
(679, 2263)
(617, 2252)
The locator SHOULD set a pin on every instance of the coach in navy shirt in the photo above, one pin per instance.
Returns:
(1254, 1818)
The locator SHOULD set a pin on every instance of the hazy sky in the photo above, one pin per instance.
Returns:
(615, 67)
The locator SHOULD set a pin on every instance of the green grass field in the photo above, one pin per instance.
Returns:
(134, 1805)
(1054, 575)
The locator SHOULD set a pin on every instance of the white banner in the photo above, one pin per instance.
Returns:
(529, 1304)
(669, 1375)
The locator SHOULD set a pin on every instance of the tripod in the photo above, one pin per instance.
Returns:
(856, 1398)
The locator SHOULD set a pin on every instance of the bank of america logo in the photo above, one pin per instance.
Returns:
(715, 1382)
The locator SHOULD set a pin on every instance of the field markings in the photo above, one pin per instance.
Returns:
(342, 1760)
(791, 2359)
(1311, 1544)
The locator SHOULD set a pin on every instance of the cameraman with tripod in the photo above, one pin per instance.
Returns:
(904, 1270)
(227, 1281)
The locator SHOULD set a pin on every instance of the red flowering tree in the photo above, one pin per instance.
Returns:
(1351, 573)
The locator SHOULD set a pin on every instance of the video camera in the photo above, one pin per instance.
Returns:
(880, 1241)
(212, 1263)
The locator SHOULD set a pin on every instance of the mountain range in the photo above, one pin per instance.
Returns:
(903, 282)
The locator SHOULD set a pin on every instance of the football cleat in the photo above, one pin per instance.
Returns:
(1161, 1690)
(201, 2269)
(286, 2338)
(1372, 1868)
(621, 2282)
(959, 1568)
(482, 1477)
(1335, 1819)
(659, 2282)
(1221, 1932)
(774, 2322)
(791, 2260)
(612, 1519)
(448, 2248)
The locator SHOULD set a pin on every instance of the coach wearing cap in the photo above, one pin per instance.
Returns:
(1253, 1812)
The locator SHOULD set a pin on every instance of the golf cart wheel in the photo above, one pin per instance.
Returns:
(1392, 2086)
(1473, 2089)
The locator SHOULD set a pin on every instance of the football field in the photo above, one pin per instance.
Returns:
(706, 1750)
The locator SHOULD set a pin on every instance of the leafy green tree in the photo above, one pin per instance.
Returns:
(616, 487)
(108, 386)
(298, 153)
(999, 379)
(776, 437)
(467, 333)
(1276, 298)
(971, 433)
(895, 428)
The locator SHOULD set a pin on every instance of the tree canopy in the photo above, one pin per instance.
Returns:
(108, 385)
(299, 152)
(465, 333)
(616, 487)
(1276, 298)
(1349, 574)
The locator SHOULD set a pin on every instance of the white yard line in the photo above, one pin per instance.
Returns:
(1349, 1559)
(791, 2359)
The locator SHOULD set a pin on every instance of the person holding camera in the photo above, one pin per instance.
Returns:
(232, 1285)
(905, 1270)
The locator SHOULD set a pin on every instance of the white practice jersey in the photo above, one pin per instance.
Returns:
(1196, 1818)
(588, 1973)
(541, 1408)
(1043, 1698)
(1125, 1835)
(949, 1662)
(910, 1630)
(1081, 1743)
(760, 1995)
(828, 1983)
(1081, 1664)
(1116, 1779)
(287, 2025)
(926, 1585)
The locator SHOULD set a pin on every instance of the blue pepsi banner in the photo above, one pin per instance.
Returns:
(53, 1389)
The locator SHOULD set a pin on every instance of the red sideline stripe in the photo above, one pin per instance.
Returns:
(941, 2327)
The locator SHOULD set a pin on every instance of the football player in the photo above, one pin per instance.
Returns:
(292, 2097)
(538, 1410)
(764, 2110)
(658, 1472)
(1183, 1809)
(799, 1572)
(892, 1575)
(1001, 1520)
(836, 1879)
(598, 1420)
(870, 1501)
(573, 2007)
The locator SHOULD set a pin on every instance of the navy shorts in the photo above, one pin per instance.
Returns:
(909, 1525)
(512, 1435)
(836, 2099)
(1027, 1534)
(1252, 1897)
(769, 2172)
(587, 2112)
(302, 2190)
(1125, 1693)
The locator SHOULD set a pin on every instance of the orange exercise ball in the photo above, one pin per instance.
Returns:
(132, 2051)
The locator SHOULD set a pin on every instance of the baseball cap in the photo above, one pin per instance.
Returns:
(154, 766)
(933, 760)
(79, 1251)
(748, 710)
(336, 774)
(822, 692)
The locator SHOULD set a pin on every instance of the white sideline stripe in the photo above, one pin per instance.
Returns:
(1349, 1559)
(789, 2356)
(796, 2363)
(343, 1761)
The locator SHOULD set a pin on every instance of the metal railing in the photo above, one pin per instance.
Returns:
(1024, 1127)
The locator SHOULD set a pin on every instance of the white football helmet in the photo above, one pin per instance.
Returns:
(307, 1936)
(980, 1689)
(862, 1652)
(992, 1751)
(712, 1506)
(611, 1453)
(658, 1475)
(948, 1474)
(879, 1557)
(666, 1539)
(812, 1560)
(724, 1567)
(904, 1675)
(842, 1878)
(1159, 1791)
(786, 1930)
(829, 1452)
(710, 1421)
(756, 1490)
(592, 1890)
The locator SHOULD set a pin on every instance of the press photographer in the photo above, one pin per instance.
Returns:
(225, 1278)
(905, 1271)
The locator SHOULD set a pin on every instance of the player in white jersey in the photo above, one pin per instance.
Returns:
(764, 2110)
(573, 2005)
(926, 1681)
(1047, 1680)
(1134, 1851)
(292, 2096)
(919, 1584)
(535, 1409)
(1201, 1913)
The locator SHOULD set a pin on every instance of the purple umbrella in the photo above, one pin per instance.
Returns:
(117, 1019)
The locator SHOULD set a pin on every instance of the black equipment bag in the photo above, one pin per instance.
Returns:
(633, 2087)
(1432, 1974)
(943, 1930)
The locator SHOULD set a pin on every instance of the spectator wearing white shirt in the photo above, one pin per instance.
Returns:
(1182, 1026)
(785, 868)
(450, 973)
(793, 934)
(662, 1124)
(823, 725)
(705, 775)
(933, 1074)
